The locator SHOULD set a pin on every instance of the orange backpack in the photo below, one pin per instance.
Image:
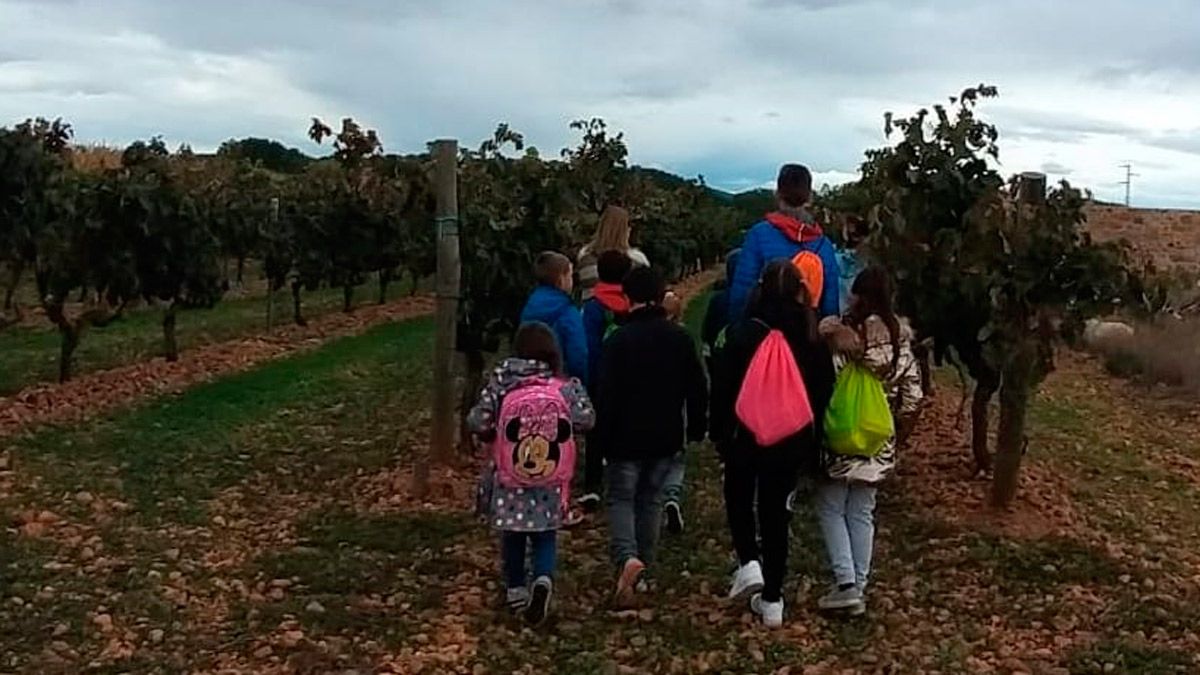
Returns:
(812, 273)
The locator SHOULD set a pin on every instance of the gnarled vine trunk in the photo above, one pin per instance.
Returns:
(271, 289)
(170, 343)
(348, 298)
(296, 315)
(987, 382)
(71, 330)
(385, 278)
(472, 383)
(15, 269)
(1018, 379)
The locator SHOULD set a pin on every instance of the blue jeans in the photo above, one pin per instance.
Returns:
(513, 549)
(635, 490)
(846, 513)
(673, 488)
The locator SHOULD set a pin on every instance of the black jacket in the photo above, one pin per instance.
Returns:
(730, 364)
(717, 315)
(648, 373)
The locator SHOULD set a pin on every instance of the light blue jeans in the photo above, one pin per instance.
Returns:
(846, 513)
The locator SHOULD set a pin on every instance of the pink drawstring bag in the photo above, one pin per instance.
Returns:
(773, 401)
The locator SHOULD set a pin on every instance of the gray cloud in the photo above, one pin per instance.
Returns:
(1055, 126)
(1055, 169)
(1179, 141)
(724, 88)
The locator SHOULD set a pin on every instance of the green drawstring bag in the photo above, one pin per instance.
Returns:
(858, 421)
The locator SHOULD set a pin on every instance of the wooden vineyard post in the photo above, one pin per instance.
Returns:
(441, 441)
(1032, 188)
(1017, 378)
(270, 290)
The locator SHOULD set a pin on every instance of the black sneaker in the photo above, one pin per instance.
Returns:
(589, 502)
(674, 517)
(539, 603)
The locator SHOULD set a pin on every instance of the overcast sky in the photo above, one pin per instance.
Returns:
(728, 89)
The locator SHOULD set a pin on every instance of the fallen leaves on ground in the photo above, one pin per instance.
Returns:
(1095, 569)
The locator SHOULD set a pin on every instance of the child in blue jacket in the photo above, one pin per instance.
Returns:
(784, 234)
(551, 304)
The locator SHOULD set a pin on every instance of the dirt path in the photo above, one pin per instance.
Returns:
(936, 471)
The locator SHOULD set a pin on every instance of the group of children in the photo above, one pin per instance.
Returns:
(778, 345)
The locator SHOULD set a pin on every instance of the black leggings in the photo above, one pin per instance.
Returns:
(772, 472)
(593, 466)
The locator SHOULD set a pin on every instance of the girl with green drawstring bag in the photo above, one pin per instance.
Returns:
(858, 421)
(876, 396)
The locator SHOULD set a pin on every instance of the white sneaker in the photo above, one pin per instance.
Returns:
(746, 581)
(674, 517)
(771, 612)
(590, 502)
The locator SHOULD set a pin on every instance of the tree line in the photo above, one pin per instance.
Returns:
(152, 226)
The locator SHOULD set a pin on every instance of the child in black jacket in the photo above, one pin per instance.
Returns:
(648, 372)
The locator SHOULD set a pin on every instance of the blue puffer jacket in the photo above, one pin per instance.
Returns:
(554, 308)
(782, 236)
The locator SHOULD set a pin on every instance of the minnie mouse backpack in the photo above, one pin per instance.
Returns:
(535, 444)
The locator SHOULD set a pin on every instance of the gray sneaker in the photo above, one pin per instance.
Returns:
(516, 599)
(849, 599)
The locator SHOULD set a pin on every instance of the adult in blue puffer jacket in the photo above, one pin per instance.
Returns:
(551, 304)
(784, 234)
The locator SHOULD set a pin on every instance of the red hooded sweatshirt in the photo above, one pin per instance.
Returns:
(611, 296)
(795, 229)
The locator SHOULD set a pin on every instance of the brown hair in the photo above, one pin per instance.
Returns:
(550, 267)
(873, 288)
(794, 185)
(613, 266)
(536, 341)
(781, 300)
(612, 234)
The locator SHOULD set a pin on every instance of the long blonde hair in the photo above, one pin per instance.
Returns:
(612, 234)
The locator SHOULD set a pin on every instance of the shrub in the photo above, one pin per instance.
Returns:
(1166, 351)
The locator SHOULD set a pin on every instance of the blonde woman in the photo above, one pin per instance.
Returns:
(611, 235)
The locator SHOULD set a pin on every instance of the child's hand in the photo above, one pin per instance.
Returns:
(845, 341)
(674, 305)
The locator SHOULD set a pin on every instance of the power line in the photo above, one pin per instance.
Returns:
(1128, 182)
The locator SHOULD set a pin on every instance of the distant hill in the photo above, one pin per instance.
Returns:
(757, 201)
(671, 180)
(269, 154)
